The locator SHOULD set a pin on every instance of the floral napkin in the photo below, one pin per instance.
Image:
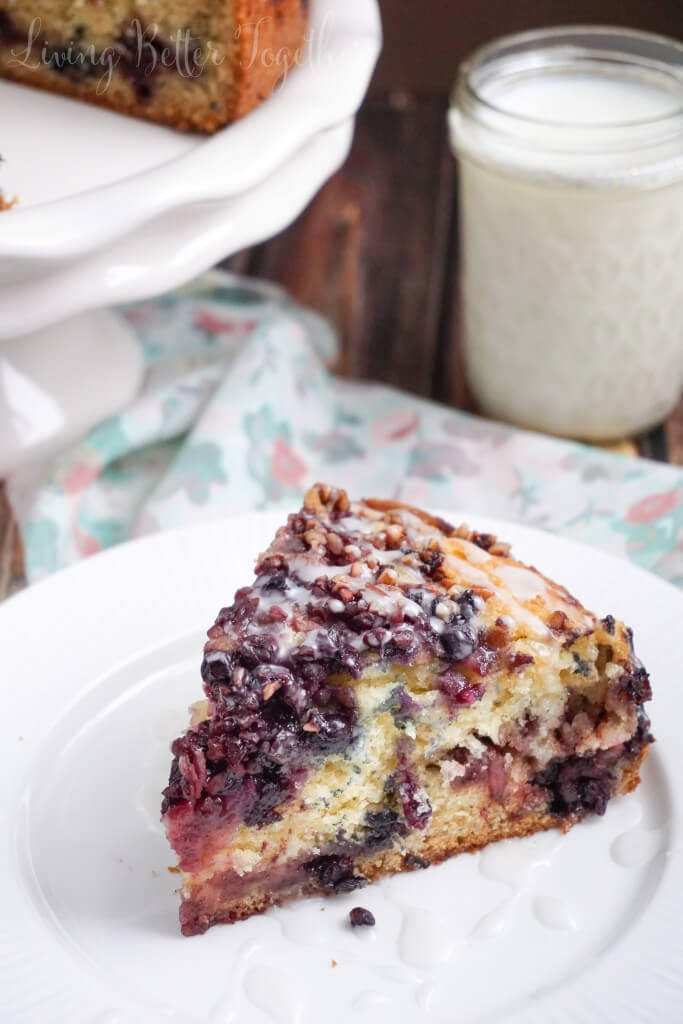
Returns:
(239, 411)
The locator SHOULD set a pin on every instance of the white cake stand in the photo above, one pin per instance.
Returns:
(112, 209)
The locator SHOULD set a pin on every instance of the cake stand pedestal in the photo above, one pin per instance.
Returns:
(57, 382)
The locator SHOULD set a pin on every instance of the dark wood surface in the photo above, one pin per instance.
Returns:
(424, 42)
(376, 252)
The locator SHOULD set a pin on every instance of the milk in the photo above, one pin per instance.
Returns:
(582, 98)
(572, 247)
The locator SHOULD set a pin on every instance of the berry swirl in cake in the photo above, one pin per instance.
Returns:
(391, 691)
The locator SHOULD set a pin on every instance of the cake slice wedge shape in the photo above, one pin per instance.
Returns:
(391, 691)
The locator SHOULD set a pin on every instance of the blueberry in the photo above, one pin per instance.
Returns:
(360, 918)
(257, 649)
(467, 604)
(278, 581)
(637, 685)
(381, 827)
(581, 783)
(334, 872)
(271, 789)
(458, 638)
(217, 666)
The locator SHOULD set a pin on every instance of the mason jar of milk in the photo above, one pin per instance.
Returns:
(570, 144)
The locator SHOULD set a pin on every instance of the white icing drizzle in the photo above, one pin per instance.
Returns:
(472, 576)
(637, 848)
(426, 939)
(527, 585)
(553, 912)
(269, 599)
(472, 552)
(361, 524)
(388, 556)
(464, 571)
(309, 569)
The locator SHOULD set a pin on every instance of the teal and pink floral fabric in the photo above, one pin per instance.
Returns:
(239, 412)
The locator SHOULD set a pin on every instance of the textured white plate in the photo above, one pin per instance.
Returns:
(98, 666)
(86, 177)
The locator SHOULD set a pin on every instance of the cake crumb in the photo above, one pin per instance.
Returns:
(173, 869)
(360, 917)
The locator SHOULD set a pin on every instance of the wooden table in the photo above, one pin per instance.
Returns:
(377, 253)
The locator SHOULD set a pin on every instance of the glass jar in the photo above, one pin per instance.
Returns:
(570, 144)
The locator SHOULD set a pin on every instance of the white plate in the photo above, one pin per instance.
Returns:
(108, 174)
(99, 665)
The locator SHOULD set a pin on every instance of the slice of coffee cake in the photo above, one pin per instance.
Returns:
(194, 66)
(391, 691)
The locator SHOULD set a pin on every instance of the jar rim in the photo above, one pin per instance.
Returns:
(564, 46)
(645, 152)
